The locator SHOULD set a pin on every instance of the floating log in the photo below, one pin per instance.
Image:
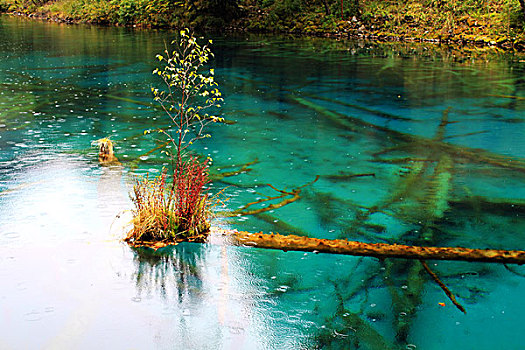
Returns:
(377, 250)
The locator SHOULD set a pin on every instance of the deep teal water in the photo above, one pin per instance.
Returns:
(302, 107)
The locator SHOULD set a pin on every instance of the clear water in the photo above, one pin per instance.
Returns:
(302, 107)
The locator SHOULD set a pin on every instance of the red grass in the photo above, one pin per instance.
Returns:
(191, 197)
(178, 214)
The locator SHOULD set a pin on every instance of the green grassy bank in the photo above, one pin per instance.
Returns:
(492, 22)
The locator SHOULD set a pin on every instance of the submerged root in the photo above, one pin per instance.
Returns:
(202, 238)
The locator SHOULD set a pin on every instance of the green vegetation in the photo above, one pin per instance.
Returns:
(179, 211)
(493, 22)
(143, 13)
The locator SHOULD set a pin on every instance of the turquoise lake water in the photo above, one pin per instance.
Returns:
(412, 144)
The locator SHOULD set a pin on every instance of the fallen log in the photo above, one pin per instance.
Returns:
(377, 250)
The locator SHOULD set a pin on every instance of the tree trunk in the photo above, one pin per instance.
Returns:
(377, 250)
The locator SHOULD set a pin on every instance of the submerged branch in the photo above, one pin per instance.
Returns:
(295, 193)
(243, 168)
(342, 176)
(473, 155)
(282, 203)
(508, 96)
(443, 286)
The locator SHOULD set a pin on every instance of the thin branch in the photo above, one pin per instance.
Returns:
(514, 271)
(295, 193)
(443, 286)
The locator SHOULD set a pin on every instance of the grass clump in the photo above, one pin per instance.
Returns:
(152, 218)
(171, 213)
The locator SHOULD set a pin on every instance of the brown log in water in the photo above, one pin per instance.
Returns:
(378, 250)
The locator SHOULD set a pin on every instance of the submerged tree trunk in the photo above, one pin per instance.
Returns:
(377, 250)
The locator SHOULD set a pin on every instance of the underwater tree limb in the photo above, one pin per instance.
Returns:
(377, 250)
(513, 271)
(243, 168)
(509, 96)
(473, 155)
(243, 211)
(295, 193)
(443, 286)
(352, 325)
(342, 176)
(405, 300)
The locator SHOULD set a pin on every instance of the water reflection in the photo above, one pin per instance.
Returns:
(173, 272)
(207, 296)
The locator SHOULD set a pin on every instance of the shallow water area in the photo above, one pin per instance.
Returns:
(420, 148)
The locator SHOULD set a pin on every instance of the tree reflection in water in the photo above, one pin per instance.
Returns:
(202, 305)
(175, 272)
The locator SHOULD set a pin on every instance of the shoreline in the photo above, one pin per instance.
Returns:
(462, 42)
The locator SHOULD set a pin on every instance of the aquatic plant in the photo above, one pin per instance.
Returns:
(190, 199)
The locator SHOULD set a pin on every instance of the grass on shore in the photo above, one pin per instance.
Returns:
(493, 22)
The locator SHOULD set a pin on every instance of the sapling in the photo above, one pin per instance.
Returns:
(188, 93)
